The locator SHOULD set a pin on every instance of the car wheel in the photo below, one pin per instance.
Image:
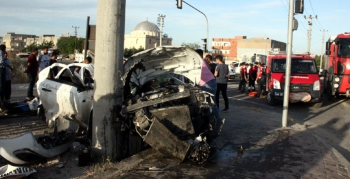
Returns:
(270, 99)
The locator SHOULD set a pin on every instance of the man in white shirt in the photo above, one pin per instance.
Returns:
(44, 59)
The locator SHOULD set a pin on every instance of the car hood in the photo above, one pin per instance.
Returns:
(166, 59)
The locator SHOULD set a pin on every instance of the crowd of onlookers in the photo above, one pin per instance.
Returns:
(36, 63)
(252, 73)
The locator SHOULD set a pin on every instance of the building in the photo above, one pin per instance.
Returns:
(240, 48)
(42, 38)
(16, 42)
(1, 41)
(145, 35)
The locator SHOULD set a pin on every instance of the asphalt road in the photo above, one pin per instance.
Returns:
(252, 123)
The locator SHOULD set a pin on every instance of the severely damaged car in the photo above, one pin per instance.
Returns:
(163, 108)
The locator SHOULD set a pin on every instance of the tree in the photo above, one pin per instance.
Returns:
(29, 48)
(193, 46)
(48, 44)
(66, 44)
(128, 52)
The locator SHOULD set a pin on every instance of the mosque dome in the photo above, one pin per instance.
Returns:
(147, 26)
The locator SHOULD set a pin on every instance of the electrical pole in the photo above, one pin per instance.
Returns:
(288, 64)
(76, 35)
(161, 25)
(106, 126)
(322, 45)
(309, 31)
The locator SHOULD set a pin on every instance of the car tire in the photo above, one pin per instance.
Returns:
(270, 99)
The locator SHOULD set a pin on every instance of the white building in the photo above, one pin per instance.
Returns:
(145, 35)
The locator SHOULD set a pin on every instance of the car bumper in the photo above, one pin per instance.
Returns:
(307, 97)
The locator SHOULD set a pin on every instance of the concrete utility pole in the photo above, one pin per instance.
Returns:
(309, 31)
(110, 24)
(76, 35)
(322, 45)
(288, 64)
(161, 25)
(87, 35)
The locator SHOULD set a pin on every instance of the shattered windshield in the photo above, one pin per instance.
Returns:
(298, 66)
(344, 48)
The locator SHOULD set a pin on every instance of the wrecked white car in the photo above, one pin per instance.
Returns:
(162, 106)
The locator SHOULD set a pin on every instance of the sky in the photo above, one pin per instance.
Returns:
(226, 19)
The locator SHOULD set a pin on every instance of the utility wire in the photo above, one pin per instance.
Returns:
(314, 14)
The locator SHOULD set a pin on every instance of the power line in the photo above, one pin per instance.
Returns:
(314, 14)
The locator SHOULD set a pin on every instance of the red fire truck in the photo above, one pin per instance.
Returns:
(305, 84)
(337, 65)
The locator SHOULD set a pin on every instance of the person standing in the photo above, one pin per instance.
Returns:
(53, 58)
(32, 72)
(44, 59)
(207, 82)
(222, 75)
(7, 86)
(243, 78)
(212, 65)
(252, 77)
(2, 74)
(261, 80)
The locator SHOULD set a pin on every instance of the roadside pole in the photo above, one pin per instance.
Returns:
(87, 35)
(110, 24)
(288, 64)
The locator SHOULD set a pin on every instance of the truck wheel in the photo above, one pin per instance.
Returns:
(270, 99)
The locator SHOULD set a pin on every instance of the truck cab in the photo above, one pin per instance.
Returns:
(337, 66)
(305, 84)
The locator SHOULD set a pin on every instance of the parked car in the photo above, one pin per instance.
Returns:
(232, 71)
(171, 115)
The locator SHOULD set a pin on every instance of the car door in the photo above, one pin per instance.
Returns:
(83, 91)
(47, 89)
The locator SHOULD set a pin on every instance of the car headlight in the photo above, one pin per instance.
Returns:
(317, 86)
(336, 85)
(276, 84)
(336, 79)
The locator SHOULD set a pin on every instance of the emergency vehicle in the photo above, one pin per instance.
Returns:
(337, 65)
(305, 84)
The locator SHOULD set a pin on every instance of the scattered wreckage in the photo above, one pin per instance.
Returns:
(162, 107)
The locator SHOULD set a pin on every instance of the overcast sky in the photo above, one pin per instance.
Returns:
(227, 18)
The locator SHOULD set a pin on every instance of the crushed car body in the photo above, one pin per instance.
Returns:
(162, 106)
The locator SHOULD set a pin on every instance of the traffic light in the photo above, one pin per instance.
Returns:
(299, 6)
(205, 45)
(179, 4)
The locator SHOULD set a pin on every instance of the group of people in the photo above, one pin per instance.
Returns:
(214, 78)
(252, 73)
(35, 65)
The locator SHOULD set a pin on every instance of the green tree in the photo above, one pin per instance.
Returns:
(48, 44)
(66, 45)
(193, 46)
(29, 48)
(128, 52)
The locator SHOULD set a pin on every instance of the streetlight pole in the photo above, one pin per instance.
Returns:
(204, 16)
(288, 64)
